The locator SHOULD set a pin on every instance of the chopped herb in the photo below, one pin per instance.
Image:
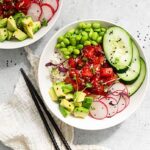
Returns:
(44, 22)
(88, 85)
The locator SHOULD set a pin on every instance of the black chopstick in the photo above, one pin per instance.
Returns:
(37, 99)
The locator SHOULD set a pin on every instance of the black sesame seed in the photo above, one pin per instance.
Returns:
(126, 51)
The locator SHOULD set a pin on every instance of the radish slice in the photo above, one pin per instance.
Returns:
(111, 104)
(34, 11)
(53, 3)
(47, 12)
(121, 104)
(126, 98)
(118, 87)
(98, 110)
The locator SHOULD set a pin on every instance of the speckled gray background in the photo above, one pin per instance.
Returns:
(134, 133)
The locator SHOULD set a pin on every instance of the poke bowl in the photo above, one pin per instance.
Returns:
(23, 22)
(92, 74)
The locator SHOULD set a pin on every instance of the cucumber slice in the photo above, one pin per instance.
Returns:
(132, 88)
(134, 69)
(117, 47)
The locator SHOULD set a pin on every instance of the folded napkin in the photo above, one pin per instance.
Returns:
(21, 127)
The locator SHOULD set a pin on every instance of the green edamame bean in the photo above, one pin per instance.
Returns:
(91, 32)
(97, 30)
(88, 25)
(66, 41)
(71, 31)
(96, 25)
(79, 46)
(76, 51)
(78, 37)
(70, 49)
(99, 39)
(87, 43)
(73, 41)
(66, 56)
(103, 29)
(102, 33)
(82, 25)
(88, 29)
(63, 50)
(94, 43)
(58, 45)
(67, 35)
(62, 44)
(84, 36)
(94, 36)
(60, 38)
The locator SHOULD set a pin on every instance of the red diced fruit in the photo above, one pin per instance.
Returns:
(86, 71)
(106, 72)
(72, 62)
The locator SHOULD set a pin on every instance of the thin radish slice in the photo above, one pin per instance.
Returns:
(98, 110)
(34, 11)
(121, 104)
(126, 98)
(118, 87)
(47, 12)
(111, 104)
(53, 3)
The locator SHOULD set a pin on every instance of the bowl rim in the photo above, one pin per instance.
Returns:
(47, 29)
(146, 77)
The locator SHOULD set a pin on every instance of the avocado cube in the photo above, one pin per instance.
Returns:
(68, 105)
(69, 96)
(28, 30)
(11, 24)
(64, 111)
(58, 89)
(3, 23)
(87, 102)
(67, 88)
(79, 96)
(20, 35)
(78, 104)
(36, 26)
(19, 23)
(3, 34)
(27, 21)
(80, 112)
(10, 34)
(53, 94)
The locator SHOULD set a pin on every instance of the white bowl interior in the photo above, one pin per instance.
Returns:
(88, 123)
(12, 44)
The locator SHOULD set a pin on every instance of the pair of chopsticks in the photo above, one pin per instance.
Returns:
(42, 108)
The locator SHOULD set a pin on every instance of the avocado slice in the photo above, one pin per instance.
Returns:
(87, 102)
(68, 105)
(27, 21)
(78, 104)
(64, 111)
(3, 34)
(20, 35)
(79, 96)
(11, 24)
(36, 26)
(10, 34)
(28, 30)
(53, 94)
(58, 89)
(3, 23)
(67, 88)
(80, 112)
(69, 96)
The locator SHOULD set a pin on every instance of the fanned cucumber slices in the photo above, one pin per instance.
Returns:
(134, 69)
(132, 88)
(117, 47)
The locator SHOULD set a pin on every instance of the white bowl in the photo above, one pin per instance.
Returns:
(88, 123)
(12, 44)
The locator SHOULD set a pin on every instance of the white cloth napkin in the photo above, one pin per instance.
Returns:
(21, 127)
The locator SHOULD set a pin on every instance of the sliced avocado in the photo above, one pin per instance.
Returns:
(3, 34)
(67, 88)
(11, 24)
(78, 104)
(10, 34)
(58, 89)
(20, 35)
(87, 102)
(3, 23)
(64, 111)
(79, 96)
(68, 105)
(80, 112)
(18, 15)
(28, 30)
(53, 94)
(27, 21)
(69, 96)
(36, 26)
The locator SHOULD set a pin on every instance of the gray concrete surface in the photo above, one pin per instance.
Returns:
(134, 133)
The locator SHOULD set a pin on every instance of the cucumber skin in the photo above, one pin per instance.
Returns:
(130, 42)
(145, 68)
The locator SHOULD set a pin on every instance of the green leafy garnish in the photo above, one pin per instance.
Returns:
(88, 85)
(44, 22)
